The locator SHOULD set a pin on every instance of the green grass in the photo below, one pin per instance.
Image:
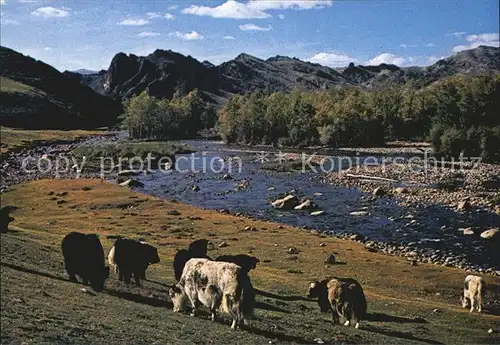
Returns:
(11, 86)
(39, 305)
(12, 139)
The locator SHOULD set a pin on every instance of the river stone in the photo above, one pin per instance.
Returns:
(379, 191)
(195, 188)
(317, 213)
(293, 250)
(287, 203)
(467, 231)
(464, 205)
(128, 173)
(490, 234)
(330, 260)
(357, 237)
(359, 213)
(401, 190)
(132, 183)
(306, 205)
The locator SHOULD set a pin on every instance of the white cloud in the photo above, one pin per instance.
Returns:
(133, 22)
(387, 58)
(193, 35)
(430, 45)
(173, 7)
(281, 16)
(152, 15)
(486, 39)
(155, 15)
(458, 34)
(47, 49)
(253, 27)
(229, 9)
(332, 59)
(229, 38)
(288, 4)
(148, 34)
(253, 9)
(31, 1)
(51, 12)
(7, 21)
(404, 45)
(2, 2)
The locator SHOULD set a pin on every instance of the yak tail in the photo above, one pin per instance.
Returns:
(481, 291)
(247, 298)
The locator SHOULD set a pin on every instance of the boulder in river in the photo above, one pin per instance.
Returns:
(306, 205)
(317, 213)
(359, 213)
(467, 231)
(491, 234)
(287, 203)
(132, 183)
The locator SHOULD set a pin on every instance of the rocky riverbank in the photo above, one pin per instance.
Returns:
(22, 165)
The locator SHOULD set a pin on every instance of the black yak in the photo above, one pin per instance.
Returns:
(84, 256)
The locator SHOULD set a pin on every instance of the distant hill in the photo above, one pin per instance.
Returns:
(84, 71)
(164, 72)
(36, 95)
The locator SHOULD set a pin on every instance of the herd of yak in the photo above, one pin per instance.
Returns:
(221, 284)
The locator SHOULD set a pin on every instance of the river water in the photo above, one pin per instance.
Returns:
(431, 230)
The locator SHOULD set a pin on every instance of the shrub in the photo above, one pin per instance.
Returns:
(435, 136)
(490, 145)
(453, 141)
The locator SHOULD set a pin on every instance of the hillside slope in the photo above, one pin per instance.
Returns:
(36, 95)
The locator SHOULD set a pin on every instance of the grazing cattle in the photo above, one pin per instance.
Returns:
(197, 249)
(84, 256)
(342, 297)
(132, 258)
(474, 289)
(214, 283)
(246, 262)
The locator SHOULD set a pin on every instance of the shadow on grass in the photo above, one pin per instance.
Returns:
(398, 334)
(280, 337)
(154, 302)
(283, 298)
(380, 317)
(32, 271)
(270, 307)
(121, 294)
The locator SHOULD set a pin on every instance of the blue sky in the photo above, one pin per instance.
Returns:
(88, 33)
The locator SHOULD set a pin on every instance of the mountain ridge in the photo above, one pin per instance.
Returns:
(164, 72)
